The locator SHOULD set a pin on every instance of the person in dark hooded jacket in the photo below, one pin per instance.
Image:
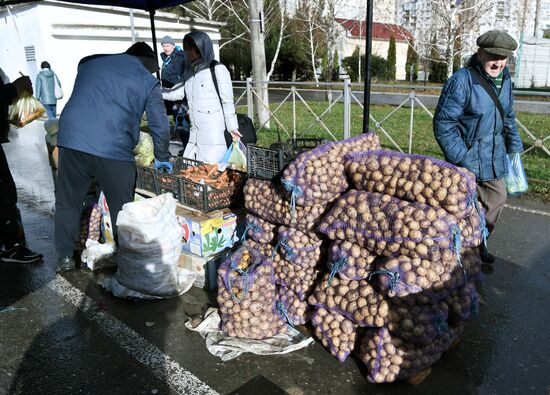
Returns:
(45, 89)
(471, 131)
(13, 246)
(98, 129)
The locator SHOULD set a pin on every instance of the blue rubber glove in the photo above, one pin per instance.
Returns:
(166, 166)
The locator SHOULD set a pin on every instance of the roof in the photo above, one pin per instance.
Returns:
(380, 31)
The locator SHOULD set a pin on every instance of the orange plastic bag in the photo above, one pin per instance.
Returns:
(25, 110)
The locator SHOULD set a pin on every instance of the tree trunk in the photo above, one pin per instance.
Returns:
(258, 62)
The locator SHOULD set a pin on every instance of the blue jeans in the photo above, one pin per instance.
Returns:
(50, 110)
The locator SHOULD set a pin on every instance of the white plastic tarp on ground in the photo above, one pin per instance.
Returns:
(227, 347)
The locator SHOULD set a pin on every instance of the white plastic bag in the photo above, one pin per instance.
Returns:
(516, 180)
(235, 156)
(149, 246)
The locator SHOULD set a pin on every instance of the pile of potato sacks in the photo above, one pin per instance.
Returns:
(377, 248)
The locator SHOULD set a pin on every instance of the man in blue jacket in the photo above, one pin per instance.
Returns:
(98, 129)
(470, 128)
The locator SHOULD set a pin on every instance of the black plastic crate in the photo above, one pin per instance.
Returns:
(146, 179)
(267, 163)
(204, 197)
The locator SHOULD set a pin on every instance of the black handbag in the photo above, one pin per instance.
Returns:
(246, 126)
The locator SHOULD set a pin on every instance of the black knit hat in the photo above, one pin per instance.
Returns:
(497, 42)
(145, 53)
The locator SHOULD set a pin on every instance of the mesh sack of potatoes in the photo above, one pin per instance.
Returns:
(389, 358)
(269, 202)
(291, 308)
(419, 324)
(471, 262)
(90, 225)
(265, 249)
(336, 332)
(350, 261)
(414, 178)
(318, 175)
(300, 279)
(304, 249)
(389, 226)
(357, 300)
(472, 227)
(247, 296)
(259, 230)
(412, 281)
(463, 303)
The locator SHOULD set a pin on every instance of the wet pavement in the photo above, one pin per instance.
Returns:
(66, 335)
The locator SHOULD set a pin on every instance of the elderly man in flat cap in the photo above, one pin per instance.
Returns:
(475, 124)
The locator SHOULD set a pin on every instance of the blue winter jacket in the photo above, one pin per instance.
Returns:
(468, 126)
(44, 89)
(103, 114)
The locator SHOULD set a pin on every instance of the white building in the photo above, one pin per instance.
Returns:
(384, 11)
(63, 33)
(353, 33)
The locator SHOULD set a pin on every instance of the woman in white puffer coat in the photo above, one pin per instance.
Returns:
(208, 118)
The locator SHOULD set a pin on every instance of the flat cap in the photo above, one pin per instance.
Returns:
(167, 40)
(497, 42)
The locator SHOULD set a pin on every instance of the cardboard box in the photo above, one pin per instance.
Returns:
(206, 234)
(206, 268)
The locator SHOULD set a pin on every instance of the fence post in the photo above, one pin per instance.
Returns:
(249, 101)
(412, 95)
(347, 109)
(294, 111)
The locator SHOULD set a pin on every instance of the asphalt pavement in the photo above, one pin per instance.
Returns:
(63, 334)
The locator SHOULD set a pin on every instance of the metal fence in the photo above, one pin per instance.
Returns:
(349, 94)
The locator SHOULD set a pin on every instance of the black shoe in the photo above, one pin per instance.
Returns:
(486, 256)
(65, 264)
(20, 254)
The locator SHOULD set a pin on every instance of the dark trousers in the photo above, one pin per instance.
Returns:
(492, 196)
(117, 180)
(181, 124)
(11, 229)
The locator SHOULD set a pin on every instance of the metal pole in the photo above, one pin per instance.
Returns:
(249, 98)
(347, 109)
(368, 50)
(152, 18)
(132, 26)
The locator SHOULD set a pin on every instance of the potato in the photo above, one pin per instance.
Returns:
(291, 308)
(396, 227)
(420, 179)
(269, 202)
(300, 279)
(300, 248)
(355, 299)
(389, 358)
(336, 332)
(418, 324)
(260, 230)
(247, 297)
(350, 261)
(463, 303)
(302, 177)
